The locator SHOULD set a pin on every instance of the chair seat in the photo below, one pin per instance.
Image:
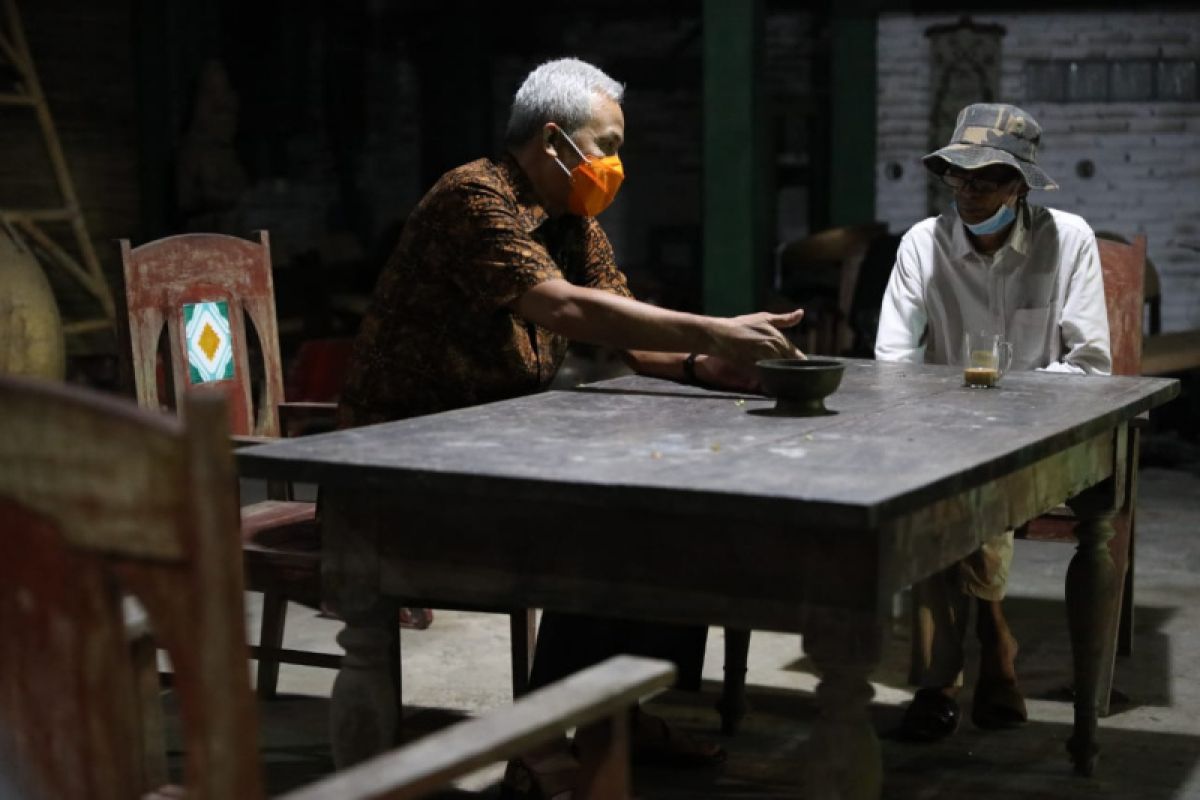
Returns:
(1057, 525)
(281, 549)
(263, 518)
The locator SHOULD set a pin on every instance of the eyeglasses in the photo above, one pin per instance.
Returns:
(960, 183)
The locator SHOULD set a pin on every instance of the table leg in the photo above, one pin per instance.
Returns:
(844, 760)
(732, 703)
(1091, 615)
(365, 705)
(364, 714)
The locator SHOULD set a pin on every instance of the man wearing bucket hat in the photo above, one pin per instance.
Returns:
(991, 263)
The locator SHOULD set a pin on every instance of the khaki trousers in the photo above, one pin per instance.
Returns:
(941, 606)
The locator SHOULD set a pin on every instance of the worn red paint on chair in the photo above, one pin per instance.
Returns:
(163, 276)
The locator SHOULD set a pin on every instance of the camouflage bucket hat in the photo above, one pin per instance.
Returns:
(993, 133)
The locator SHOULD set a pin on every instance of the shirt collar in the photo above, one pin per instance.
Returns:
(1018, 238)
(529, 209)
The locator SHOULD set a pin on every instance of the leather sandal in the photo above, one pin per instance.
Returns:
(417, 619)
(998, 704)
(671, 747)
(552, 779)
(930, 717)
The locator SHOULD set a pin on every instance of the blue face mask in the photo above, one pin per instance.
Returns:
(996, 222)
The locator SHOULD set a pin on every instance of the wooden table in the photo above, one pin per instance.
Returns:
(649, 499)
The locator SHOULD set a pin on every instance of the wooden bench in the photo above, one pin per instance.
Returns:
(101, 501)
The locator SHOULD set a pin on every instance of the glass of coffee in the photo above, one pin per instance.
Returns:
(985, 359)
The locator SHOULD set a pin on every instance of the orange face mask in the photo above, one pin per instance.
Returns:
(594, 182)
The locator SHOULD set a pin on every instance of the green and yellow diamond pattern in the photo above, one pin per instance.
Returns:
(209, 342)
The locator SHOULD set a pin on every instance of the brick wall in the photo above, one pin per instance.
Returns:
(1146, 155)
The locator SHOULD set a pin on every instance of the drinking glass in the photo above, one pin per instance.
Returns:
(986, 357)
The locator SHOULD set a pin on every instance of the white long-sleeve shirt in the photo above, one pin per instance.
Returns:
(1043, 291)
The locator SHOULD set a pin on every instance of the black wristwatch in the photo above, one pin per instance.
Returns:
(689, 368)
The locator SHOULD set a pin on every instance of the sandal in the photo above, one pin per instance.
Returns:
(930, 717)
(998, 704)
(416, 618)
(551, 779)
(671, 747)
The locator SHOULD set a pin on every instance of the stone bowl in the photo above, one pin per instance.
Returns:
(800, 385)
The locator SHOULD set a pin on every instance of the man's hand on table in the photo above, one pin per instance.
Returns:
(750, 338)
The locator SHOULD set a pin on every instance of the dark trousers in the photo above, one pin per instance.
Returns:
(567, 643)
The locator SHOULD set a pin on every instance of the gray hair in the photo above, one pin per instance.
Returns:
(561, 91)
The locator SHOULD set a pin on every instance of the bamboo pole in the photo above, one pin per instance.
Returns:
(23, 60)
(64, 259)
(10, 52)
(87, 325)
(36, 214)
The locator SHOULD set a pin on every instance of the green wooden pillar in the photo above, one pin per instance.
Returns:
(735, 178)
(852, 107)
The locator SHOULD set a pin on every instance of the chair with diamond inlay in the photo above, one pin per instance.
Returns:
(203, 287)
(210, 292)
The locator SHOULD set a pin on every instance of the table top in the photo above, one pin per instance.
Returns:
(897, 436)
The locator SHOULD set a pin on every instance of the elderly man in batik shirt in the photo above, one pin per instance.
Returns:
(501, 264)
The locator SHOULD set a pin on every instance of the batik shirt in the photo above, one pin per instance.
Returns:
(440, 333)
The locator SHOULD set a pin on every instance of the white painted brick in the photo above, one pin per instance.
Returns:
(1159, 125)
(1100, 126)
(1188, 111)
(1109, 36)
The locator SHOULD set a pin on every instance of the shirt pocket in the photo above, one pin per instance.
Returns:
(1030, 337)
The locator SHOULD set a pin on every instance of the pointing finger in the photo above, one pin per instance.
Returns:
(788, 320)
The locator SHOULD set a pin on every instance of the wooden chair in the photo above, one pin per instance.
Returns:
(101, 501)
(203, 288)
(200, 278)
(316, 375)
(1124, 268)
(1151, 290)
(820, 272)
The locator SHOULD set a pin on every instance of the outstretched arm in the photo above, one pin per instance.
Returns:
(656, 339)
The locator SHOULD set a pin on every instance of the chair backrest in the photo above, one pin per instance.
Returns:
(319, 369)
(1124, 268)
(1150, 289)
(203, 287)
(100, 500)
(831, 257)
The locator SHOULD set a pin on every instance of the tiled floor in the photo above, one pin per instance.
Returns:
(1151, 743)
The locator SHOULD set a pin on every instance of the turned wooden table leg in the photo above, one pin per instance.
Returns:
(844, 761)
(364, 712)
(732, 703)
(1091, 615)
(365, 705)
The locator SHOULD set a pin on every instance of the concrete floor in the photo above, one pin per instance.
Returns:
(1151, 743)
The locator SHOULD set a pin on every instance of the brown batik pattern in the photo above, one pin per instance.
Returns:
(439, 334)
